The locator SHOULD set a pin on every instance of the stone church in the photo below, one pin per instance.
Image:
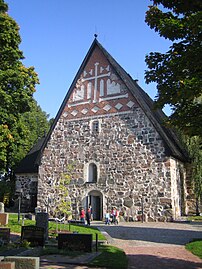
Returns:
(120, 152)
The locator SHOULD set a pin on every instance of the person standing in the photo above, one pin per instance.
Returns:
(114, 215)
(91, 212)
(107, 218)
(88, 215)
(82, 215)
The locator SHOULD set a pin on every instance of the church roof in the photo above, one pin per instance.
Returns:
(157, 117)
(30, 163)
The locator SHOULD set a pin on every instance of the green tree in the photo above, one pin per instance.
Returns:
(63, 204)
(178, 72)
(35, 124)
(17, 85)
(31, 125)
(59, 203)
(193, 145)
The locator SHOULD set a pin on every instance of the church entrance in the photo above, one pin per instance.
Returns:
(94, 199)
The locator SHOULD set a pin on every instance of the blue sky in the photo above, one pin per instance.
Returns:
(56, 35)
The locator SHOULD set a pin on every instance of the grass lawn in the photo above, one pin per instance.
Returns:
(53, 227)
(110, 257)
(195, 218)
(195, 247)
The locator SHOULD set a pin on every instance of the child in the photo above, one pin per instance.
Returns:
(107, 218)
(82, 215)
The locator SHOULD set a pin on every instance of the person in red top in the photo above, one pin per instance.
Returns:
(82, 215)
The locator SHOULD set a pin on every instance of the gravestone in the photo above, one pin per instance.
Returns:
(5, 234)
(42, 222)
(33, 234)
(1, 207)
(4, 218)
(7, 265)
(24, 262)
(75, 242)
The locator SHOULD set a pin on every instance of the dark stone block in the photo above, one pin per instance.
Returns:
(75, 242)
(33, 234)
(160, 194)
(73, 221)
(5, 234)
(128, 202)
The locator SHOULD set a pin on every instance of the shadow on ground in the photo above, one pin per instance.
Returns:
(154, 262)
(155, 235)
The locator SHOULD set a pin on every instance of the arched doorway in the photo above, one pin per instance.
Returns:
(95, 199)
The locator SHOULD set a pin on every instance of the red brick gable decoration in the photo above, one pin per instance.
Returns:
(98, 90)
(102, 87)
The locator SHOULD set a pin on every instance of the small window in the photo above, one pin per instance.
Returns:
(92, 173)
(95, 127)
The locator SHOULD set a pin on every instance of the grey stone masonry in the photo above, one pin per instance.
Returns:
(131, 161)
(27, 183)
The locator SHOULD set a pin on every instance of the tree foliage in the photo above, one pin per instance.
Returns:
(63, 205)
(193, 145)
(178, 72)
(22, 121)
(17, 85)
(59, 200)
(35, 125)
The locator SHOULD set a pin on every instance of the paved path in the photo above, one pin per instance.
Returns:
(156, 245)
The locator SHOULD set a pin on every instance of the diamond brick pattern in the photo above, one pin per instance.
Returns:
(118, 106)
(95, 109)
(107, 107)
(130, 104)
(74, 113)
(84, 111)
(65, 114)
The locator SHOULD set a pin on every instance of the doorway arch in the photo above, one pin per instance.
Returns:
(95, 199)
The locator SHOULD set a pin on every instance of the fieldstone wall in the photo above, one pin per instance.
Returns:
(27, 184)
(133, 170)
(190, 195)
(179, 190)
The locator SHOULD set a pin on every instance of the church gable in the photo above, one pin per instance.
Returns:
(102, 87)
(98, 90)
